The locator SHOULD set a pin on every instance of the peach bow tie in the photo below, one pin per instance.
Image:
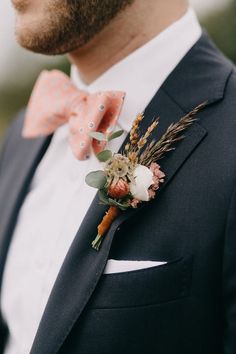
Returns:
(56, 101)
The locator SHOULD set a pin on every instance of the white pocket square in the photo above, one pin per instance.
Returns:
(115, 266)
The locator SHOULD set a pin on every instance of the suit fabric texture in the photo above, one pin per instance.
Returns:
(185, 306)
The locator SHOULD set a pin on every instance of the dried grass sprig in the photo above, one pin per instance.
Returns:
(134, 133)
(156, 151)
(144, 138)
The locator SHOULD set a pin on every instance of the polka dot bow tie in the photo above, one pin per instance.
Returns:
(56, 101)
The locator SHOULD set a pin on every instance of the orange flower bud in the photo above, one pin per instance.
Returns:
(119, 189)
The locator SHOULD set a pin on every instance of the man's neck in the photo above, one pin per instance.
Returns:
(131, 29)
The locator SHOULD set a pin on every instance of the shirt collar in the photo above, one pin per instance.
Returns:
(142, 73)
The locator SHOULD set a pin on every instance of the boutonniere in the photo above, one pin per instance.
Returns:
(133, 176)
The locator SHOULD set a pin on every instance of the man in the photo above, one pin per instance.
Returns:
(164, 279)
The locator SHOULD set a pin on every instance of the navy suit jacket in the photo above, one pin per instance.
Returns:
(185, 306)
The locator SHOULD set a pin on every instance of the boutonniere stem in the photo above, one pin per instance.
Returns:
(104, 226)
(134, 176)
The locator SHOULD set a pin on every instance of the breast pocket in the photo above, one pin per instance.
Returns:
(149, 286)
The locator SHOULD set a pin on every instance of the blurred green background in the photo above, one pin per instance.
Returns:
(14, 98)
(220, 24)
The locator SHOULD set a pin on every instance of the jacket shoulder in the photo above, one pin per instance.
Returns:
(15, 128)
(12, 137)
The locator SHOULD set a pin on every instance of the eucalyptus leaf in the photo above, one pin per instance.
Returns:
(98, 136)
(103, 197)
(104, 155)
(119, 205)
(115, 135)
(96, 179)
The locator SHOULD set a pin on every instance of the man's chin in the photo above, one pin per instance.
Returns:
(42, 43)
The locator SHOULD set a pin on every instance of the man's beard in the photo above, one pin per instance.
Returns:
(67, 25)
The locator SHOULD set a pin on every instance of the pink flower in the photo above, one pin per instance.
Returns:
(119, 189)
(151, 193)
(134, 203)
(156, 170)
(158, 177)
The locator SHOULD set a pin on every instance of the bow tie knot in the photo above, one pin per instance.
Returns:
(56, 101)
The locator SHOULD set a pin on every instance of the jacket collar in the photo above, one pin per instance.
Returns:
(201, 76)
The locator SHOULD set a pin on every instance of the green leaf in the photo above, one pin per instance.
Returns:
(115, 135)
(103, 196)
(104, 155)
(119, 205)
(98, 136)
(96, 179)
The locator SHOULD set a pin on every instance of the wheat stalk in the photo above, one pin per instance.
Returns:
(156, 150)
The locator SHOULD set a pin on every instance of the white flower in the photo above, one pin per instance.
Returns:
(143, 177)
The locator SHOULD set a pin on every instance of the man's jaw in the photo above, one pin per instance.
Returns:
(20, 5)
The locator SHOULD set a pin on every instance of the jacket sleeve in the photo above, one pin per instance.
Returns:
(229, 280)
(3, 144)
(9, 137)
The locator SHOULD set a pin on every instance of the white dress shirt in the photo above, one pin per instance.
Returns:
(59, 197)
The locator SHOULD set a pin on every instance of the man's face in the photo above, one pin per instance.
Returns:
(61, 26)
